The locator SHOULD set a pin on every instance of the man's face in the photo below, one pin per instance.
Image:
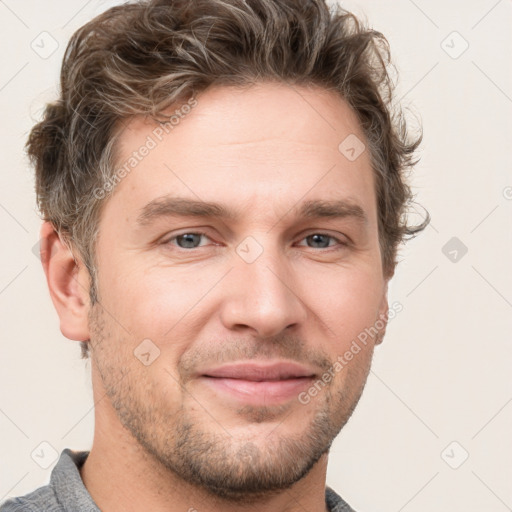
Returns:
(211, 327)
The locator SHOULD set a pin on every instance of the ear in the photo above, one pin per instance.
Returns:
(68, 283)
(383, 314)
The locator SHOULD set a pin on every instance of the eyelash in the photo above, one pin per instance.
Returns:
(341, 243)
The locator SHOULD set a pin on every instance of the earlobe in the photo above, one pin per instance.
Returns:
(68, 283)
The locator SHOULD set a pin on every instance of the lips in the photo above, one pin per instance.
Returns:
(258, 383)
(260, 372)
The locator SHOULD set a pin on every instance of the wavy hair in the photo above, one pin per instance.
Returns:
(140, 58)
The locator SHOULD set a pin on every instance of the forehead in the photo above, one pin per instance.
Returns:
(266, 147)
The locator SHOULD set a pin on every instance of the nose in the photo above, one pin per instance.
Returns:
(263, 296)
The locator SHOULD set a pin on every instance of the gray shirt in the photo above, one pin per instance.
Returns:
(67, 493)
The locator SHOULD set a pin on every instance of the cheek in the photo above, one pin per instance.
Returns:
(347, 302)
(170, 304)
(157, 303)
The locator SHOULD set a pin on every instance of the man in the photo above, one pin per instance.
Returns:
(222, 186)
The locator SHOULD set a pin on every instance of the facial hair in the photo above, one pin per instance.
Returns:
(236, 468)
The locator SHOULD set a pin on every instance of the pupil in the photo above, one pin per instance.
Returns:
(188, 239)
(318, 238)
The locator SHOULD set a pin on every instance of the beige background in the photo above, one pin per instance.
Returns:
(443, 372)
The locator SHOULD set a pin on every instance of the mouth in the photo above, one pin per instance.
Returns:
(258, 383)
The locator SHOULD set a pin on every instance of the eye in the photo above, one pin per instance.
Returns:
(321, 240)
(192, 240)
(187, 240)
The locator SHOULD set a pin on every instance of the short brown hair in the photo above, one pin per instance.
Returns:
(140, 58)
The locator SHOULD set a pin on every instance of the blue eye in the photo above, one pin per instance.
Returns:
(322, 241)
(192, 240)
(189, 240)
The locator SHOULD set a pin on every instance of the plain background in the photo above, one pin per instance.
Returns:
(440, 388)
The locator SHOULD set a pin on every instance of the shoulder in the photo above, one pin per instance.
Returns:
(336, 503)
(64, 492)
(41, 499)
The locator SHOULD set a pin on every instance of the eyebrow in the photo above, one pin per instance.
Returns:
(168, 206)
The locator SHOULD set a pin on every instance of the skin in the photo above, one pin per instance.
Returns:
(261, 151)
